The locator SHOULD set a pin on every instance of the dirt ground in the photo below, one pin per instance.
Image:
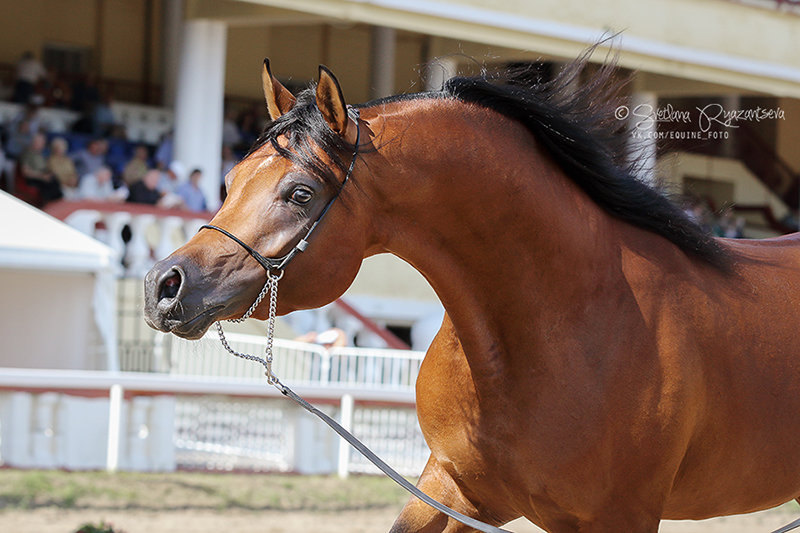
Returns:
(54, 520)
(62, 502)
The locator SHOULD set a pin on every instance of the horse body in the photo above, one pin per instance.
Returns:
(652, 379)
(589, 374)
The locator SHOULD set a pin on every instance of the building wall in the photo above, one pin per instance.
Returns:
(49, 315)
(296, 51)
(117, 29)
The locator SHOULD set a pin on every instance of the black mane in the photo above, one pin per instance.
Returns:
(574, 122)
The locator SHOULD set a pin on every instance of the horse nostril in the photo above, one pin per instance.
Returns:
(170, 285)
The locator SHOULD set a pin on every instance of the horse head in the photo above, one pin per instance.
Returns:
(275, 195)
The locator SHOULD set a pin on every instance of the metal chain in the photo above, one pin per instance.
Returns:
(270, 286)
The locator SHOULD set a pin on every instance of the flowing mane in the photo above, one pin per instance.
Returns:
(573, 121)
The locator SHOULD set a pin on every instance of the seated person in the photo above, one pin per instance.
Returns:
(60, 164)
(88, 160)
(137, 167)
(99, 187)
(190, 192)
(33, 167)
(145, 191)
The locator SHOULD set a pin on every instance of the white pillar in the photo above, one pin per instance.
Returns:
(172, 22)
(200, 101)
(383, 42)
(643, 140)
(116, 397)
(440, 70)
(346, 421)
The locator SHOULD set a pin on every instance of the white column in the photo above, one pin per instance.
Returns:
(440, 70)
(346, 421)
(383, 42)
(116, 398)
(643, 141)
(172, 22)
(199, 103)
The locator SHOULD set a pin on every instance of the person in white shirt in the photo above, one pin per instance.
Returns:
(29, 72)
(98, 186)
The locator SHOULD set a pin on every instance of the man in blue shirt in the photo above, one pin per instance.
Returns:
(190, 192)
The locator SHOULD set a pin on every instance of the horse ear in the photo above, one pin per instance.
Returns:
(279, 99)
(331, 101)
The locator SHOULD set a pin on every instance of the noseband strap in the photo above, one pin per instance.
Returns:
(279, 263)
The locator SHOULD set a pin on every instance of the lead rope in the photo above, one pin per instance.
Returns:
(271, 286)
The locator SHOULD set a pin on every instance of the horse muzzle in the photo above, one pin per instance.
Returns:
(174, 301)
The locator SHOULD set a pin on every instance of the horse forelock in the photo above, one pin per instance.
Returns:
(303, 137)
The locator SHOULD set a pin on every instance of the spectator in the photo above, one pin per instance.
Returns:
(103, 120)
(163, 155)
(230, 131)
(19, 138)
(228, 161)
(190, 192)
(61, 165)
(91, 158)
(330, 338)
(33, 168)
(98, 186)
(84, 93)
(250, 127)
(58, 92)
(137, 167)
(145, 191)
(29, 72)
(168, 185)
(30, 113)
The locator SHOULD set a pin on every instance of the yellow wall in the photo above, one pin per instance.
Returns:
(247, 48)
(68, 21)
(123, 39)
(31, 24)
(296, 51)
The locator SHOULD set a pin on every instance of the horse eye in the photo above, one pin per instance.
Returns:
(301, 196)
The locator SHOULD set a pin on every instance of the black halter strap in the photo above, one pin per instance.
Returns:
(279, 263)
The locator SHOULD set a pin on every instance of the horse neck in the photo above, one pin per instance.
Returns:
(489, 220)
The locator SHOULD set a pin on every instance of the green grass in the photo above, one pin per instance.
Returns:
(29, 489)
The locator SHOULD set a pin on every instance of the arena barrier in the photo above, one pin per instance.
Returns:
(197, 412)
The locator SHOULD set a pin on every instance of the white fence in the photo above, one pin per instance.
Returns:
(153, 235)
(208, 410)
(295, 362)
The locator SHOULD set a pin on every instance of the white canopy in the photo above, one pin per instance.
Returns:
(32, 239)
(53, 280)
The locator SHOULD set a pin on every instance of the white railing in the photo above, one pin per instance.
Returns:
(294, 362)
(51, 119)
(154, 232)
(143, 123)
(133, 421)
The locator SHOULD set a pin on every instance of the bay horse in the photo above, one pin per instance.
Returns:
(603, 363)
